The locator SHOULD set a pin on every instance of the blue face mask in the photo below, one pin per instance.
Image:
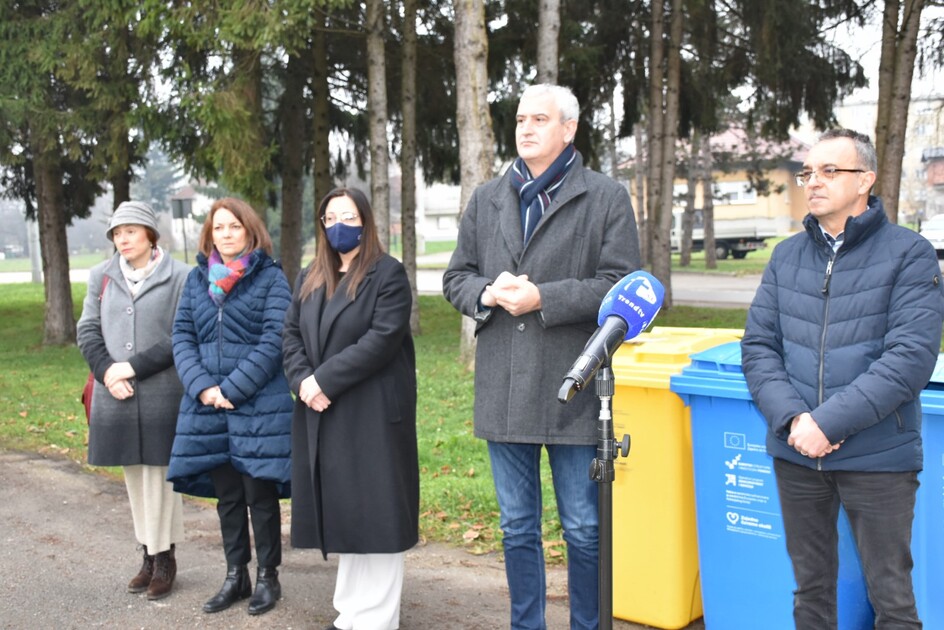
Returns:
(343, 238)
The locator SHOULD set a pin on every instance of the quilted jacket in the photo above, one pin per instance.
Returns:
(237, 346)
(850, 337)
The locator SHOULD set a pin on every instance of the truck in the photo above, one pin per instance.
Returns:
(733, 236)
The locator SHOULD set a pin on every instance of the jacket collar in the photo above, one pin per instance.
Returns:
(337, 304)
(857, 229)
(506, 205)
(258, 259)
(161, 274)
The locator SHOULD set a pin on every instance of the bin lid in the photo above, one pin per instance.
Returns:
(722, 361)
(713, 372)
(653, 357)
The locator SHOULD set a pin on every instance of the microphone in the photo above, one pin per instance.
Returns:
(627, 310)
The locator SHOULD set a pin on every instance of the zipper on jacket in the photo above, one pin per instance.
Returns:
(829, 275)
(219, 338)
(822, 342)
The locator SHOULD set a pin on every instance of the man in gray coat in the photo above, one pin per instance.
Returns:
(538, 249)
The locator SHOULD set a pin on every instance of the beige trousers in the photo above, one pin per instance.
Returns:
(157, 511)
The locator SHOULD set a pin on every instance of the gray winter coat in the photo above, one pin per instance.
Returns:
(585, 242)
(139, 430)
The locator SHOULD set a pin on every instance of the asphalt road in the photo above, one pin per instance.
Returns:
(692, 289)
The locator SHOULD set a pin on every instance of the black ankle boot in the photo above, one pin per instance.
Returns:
(268, 591)
(236, 586)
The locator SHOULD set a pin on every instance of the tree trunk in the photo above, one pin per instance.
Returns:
(688, 217)
(662, 247)
(548, 36)
(611, 141)
(655, 133)
(897, 102)
(293, 159)
(474, 122)
(706, 164)
(121, 188)
(247, 71)
(58, 321)
(377, 117)
(886, 74)
(408, 156)
(119, 165)
(321, 147)
(645, 241)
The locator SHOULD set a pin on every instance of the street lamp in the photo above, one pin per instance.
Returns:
(181, 205)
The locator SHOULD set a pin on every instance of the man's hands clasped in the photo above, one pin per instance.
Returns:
(808, 439)
(515, 294)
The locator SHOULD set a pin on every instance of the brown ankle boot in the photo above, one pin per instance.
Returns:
(140, 582)
(165, 570)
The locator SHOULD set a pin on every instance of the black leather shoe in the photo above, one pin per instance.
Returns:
(236, 586)
(268, 591)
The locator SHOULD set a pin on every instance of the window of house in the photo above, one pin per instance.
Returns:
(734, 193)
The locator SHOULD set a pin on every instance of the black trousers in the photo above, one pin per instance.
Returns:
(880, 506)
(238, 493)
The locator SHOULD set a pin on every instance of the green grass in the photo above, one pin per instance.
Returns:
(754, 263)
(437, 247)
(40, 411)
(40, 386)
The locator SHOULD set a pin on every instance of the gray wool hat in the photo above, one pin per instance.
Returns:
(132, 213)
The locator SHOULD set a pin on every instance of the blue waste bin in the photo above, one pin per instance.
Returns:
(927, 538)
(746, 576)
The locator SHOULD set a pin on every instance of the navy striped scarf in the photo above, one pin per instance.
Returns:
(536, 193)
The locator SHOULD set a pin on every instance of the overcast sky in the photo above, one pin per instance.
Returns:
(866, 46)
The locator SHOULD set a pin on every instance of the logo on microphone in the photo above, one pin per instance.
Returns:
(646, 292)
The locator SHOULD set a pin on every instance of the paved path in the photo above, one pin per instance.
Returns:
(692, 289)
(67, 553)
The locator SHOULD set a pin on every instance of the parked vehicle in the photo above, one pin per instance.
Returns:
(734, 237)
(933, 230)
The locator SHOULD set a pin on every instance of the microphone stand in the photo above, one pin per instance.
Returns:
(603, 473)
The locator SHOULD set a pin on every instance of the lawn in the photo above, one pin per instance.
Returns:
(40, 411)
(754, 263)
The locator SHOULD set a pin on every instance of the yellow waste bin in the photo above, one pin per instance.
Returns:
(655, 550)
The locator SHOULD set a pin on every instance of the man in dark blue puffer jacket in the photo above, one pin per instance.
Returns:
(841, 337)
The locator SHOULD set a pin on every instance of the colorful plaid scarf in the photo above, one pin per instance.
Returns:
(536, 193)
(224, 276)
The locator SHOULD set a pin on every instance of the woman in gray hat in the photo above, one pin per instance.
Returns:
(125, 336)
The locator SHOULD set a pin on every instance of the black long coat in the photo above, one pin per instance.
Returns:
(355, 476)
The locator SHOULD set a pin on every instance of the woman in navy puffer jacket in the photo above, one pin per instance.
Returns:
(234, 430)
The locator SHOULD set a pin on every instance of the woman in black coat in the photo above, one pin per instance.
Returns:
(349, 356)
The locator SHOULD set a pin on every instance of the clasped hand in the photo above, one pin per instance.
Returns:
(213, 396)
(118, 380)
(808, 439)
(515, 294)
(310, 393)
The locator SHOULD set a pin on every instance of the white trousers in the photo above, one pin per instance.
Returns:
(157, 511)
(367, 592)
